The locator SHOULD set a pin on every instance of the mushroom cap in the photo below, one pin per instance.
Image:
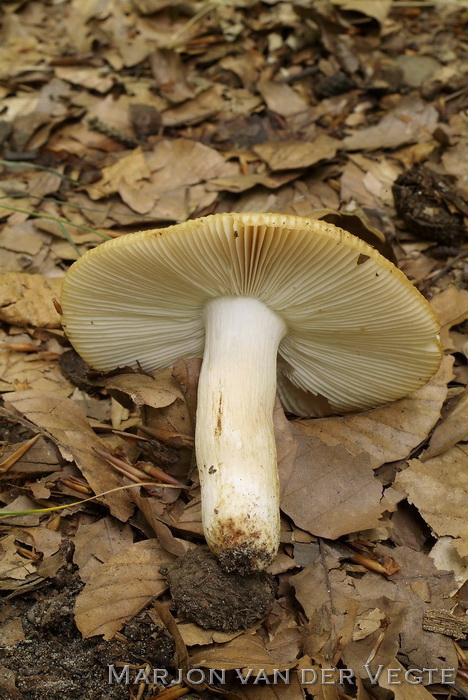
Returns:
(359, 333)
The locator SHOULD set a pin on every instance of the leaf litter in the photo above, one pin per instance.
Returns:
(121, 118)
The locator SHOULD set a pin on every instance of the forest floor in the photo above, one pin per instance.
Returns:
(137, 114)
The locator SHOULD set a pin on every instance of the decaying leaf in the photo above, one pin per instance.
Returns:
(244, 652)
(26, 300)
(121, 588)
(324, 489)
(326, 593)
(438, 487)
(451, 306)
(453, 429)
(297, 154)
(413, 120)
(378, 9)
(96, 543)
(67, 426)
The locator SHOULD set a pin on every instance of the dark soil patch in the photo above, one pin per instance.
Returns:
(54, 662)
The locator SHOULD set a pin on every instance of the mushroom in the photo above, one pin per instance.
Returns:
(272, 303)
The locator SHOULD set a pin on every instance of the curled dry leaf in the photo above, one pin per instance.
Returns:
(13, 567)
(121, 588)
(438, 488)
(389, 433)
(451, 306)
(453, 429)
(157, 391)
(378, 9)
(26, 300)
(66, 424)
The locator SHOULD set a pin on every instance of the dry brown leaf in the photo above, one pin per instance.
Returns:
(193, 635)
(41, 457)
(122, 587)
(367, 622)
(244, 652)
(282, 99)
(32, 371)
(90, 78)
(169, 75)
(182, 162)
(438, 488)
(325, 490)
(201, 107)
(377, 9)
(130, 170)
(413, 120)
(453, 429)
(11, 633)
(26, 300)
(451, 306)
(13, 567)
(327, 594)
(68, 427)
(389, 433)
(43, 540)
(158, 391)
(290, 155)
(95, 543)
(394, 680)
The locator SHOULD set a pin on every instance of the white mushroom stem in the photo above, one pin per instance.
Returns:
(235, 441)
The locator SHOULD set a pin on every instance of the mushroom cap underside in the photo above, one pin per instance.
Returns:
(359, 333)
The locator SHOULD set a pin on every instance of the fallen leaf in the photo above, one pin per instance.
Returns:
(325, 490)
(13, 567)
(402, 690)
(26, 300)
(446, 558)
(378, 9)
(126, 173)
(453, 429)
(297, 154)
(438, 487)
(90, 78)
(169, 75)
(193, 635)
(201, 107)
(413, 120)
(122, 587)
(67, 426)
(244, 652)
(367, 622)
(389, 433)
(97, 542)
(451, 306)
(282, 99)
(157, 391)
(327, 592)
